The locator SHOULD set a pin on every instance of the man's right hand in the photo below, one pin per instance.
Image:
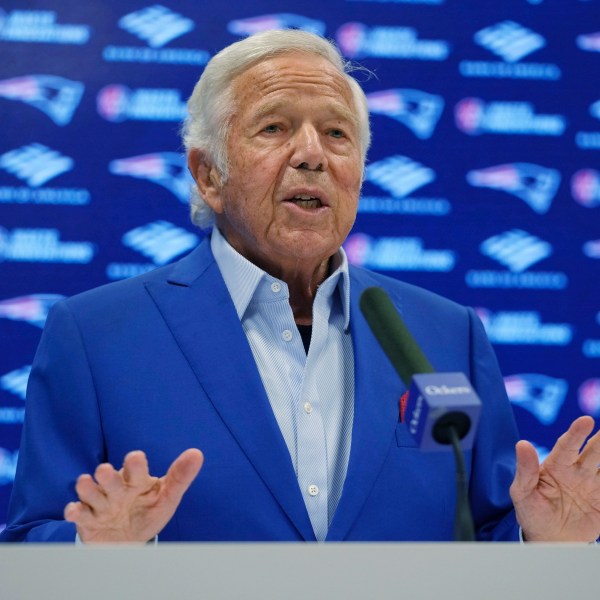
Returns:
(130, 505)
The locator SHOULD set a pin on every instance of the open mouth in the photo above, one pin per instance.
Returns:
(306, 201)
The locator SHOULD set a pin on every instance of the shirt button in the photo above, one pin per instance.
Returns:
(307, 408)
(313, 490)
(276, 287)
(287, 335)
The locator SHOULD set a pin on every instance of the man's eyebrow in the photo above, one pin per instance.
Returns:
(269, 108)
(338, 111)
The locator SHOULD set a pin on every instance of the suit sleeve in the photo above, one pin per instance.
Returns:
(62, 434)
(493, 463)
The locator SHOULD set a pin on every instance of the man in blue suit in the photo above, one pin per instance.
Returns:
(253, 348)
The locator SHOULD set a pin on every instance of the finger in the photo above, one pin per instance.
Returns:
(89, 492)
(77, 512)
(135, 469)
(590, 456)
(567, 447)
(109, 480)
(528, 471)
(182, 472)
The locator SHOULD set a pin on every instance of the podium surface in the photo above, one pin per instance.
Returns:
(217, 571)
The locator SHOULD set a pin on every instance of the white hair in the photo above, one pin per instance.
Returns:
(212, 105)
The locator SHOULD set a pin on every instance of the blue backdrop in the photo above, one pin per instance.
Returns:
(483, 182)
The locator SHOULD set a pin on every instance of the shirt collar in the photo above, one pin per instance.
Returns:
(243, 278)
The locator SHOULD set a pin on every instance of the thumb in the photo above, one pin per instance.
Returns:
(182, 473)
(528, 471)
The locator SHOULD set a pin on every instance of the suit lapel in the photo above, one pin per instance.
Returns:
(377, 390)
(216, 349)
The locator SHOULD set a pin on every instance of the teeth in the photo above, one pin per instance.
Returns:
(306, 201)
(312, 203)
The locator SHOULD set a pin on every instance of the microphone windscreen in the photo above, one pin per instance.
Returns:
(392, 334)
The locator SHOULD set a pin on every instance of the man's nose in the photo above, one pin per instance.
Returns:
(308, 150)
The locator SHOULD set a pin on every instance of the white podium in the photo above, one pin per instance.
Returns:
(411, 571)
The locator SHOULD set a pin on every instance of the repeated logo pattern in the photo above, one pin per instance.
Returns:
(482, 183)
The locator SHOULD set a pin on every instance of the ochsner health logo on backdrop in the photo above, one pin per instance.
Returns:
(589, 397)
(474, 117)
(356, 40)
(396, 254)
(585, 187)
(523, 328)
(516, 250)
(119, 103)
(510, 42)
(42, 246)
(40, 26)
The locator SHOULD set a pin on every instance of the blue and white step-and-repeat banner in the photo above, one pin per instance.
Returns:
(483, 183)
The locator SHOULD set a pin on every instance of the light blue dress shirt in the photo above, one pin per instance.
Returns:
(312, 395)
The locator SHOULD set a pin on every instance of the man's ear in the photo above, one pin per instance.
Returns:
(207, 178)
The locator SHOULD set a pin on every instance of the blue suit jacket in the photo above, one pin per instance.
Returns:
(161, 363)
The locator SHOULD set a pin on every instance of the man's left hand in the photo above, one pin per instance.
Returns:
(560, 500)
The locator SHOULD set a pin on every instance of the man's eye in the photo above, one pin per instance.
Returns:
(337, 133)
(272, 128)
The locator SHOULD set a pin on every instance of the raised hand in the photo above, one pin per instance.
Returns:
(130, 505)
(560, 500)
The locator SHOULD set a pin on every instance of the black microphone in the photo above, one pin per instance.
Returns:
(442, 409)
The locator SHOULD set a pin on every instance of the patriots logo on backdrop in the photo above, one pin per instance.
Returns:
(167, 169)
(540, 395)
(418, 110)
(55, 96)
(275, 21)
(16, 381)
(32, 309)
(534, 184)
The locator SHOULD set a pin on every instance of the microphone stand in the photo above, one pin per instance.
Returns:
(450, 429)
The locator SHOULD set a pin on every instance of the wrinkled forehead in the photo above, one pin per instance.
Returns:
(305, 72)
(281, 82)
